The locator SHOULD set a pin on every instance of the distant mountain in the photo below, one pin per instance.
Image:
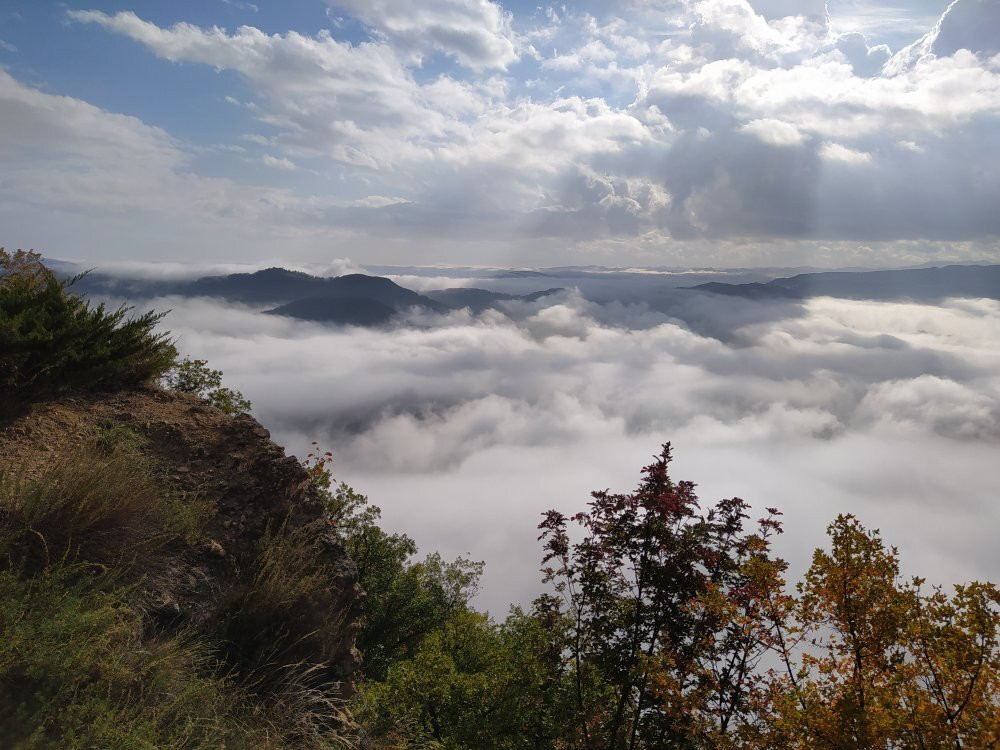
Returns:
(478, 300)
(353, 299)
(358, 311)
(268, 285)
(382, 290)
(918, 284)
(357, 299)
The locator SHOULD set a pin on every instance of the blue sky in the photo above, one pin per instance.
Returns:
(651, 132)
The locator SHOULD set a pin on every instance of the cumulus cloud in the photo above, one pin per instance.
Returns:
(638, 135)
(357, 104)
(965, 25)
(477, 33)
(465, 428)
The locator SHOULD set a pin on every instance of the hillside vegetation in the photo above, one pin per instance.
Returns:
(169, 578)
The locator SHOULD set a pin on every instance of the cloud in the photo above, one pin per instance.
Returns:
(72, 168)
(965, 25)
(464, 429)
(774, 132)
(476, 33)
(841, 153)
(640, 135)
(277, 162)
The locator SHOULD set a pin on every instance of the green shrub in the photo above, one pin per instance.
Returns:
(52, 340)
(196, 377)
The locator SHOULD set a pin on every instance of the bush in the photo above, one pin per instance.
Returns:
(52, 340)
(196, 377)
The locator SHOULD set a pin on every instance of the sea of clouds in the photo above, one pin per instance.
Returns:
(465, 428)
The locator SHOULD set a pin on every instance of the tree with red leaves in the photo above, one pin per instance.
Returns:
(668, 607)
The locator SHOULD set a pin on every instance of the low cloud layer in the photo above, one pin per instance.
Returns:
(465, 428)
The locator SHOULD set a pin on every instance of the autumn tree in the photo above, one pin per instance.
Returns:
(877, 663)
(665, 605)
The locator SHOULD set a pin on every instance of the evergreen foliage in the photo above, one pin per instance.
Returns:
(51, 340)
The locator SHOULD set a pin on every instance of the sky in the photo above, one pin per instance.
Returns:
(678, 133)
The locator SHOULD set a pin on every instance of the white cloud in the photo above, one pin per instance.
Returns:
(356, 104)
(639, 135)
(464, 430)
(965, 25)
(276, 162)
(774, 132)
(477, 33)
(75, 174)
(841, 153)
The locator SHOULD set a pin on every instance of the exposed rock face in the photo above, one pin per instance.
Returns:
(250, 486)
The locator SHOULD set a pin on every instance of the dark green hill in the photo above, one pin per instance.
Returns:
(358, 311)
(478, 300)
(919, 284)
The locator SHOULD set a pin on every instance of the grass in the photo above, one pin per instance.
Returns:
(284, 630)
(88, 507)
(78, 672)
(82, 664)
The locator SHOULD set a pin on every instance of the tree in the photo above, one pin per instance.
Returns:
(405, 599)
(52, 340)
(194, 376)
(665, 606)
(879, 664)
